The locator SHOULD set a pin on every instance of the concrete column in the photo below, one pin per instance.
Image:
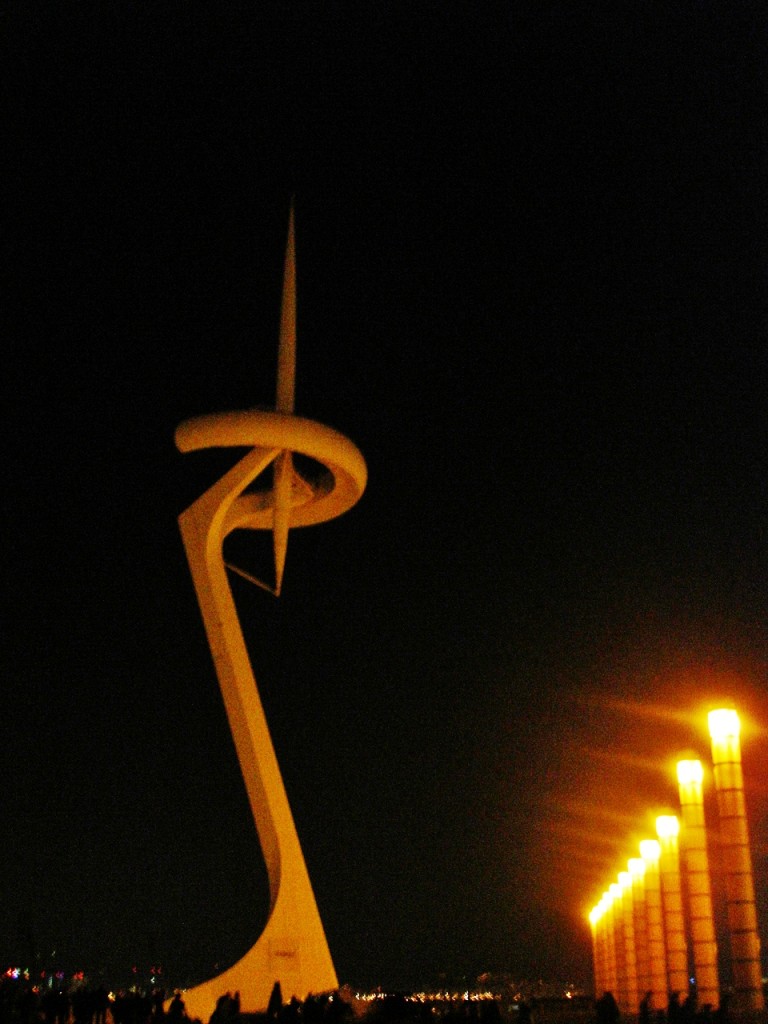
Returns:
(620, 946)
(724, 728)
(597, 924)
(667, 829)
(650, 850)
(636, 867)
(693, 841)
(628, 916)
(594, 919)
(611, 967)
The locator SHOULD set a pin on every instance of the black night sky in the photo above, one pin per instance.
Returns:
(532, 244)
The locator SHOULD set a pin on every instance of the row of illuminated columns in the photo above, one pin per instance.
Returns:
(640, 938)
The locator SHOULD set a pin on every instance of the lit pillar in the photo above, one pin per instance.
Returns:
(696, 861)
(667, 829)
(620, 946)
(610, 983)
(594, 919)
(628, 917)
(607, 953)
(650, 850)
(736, 860)
(636, 867)
(597, 924)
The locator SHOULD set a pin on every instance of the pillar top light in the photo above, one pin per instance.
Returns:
(625, 880)
(689, 772)
(636, 866)
(650, 850)
(667, 826)
(723, 723)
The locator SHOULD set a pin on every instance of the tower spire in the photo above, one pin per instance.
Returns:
(285, 401)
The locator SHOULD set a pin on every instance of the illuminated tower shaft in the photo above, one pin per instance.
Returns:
(612, 974)
(694, 845)
(602, 925)
(654, 916)
(608, 953)
(620, 947)
(597, 924)
(608, 981)
(630, 955)
(640, 921)
(736, 861)
(672, 903)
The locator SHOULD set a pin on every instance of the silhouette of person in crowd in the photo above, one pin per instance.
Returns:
(607, 1009)
(177, 1011)
(674, 1010)
(688, 1009)
(275, 1004)
(524, 1013)
(720, 1015)
(227, 1009)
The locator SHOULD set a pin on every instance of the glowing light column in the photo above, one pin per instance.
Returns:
(694, 844)
(724, 729)
(636, 867)
(597, 923)
(667, 829)
(650, 851)
(610, 982)
(630, 955)
(620, 946)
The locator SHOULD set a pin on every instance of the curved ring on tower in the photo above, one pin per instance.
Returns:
(278, 432)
